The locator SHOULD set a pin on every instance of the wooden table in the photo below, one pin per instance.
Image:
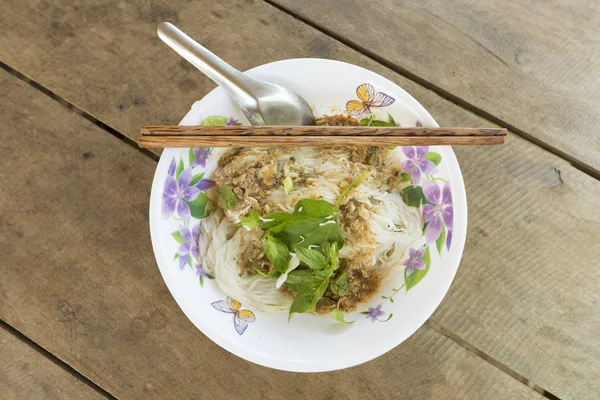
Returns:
(85, 312)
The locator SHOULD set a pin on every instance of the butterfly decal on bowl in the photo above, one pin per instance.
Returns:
(367, 98)
(241, 318)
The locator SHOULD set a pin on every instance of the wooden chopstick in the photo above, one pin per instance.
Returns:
(296, 136)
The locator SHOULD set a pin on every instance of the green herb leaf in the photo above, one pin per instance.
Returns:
(312, 258)
(434, 157)
(405, 176)
(196, 178)
(333, 253)
(417, 274)
(340, 285)
(439, 243)
(305, 231)
(179, 169)
(288, 185)
(177, 236)
(201, 281)
(314, 208)
(250, 220)
(348, 188)
(214, 120)
(296, 278)
(272, 274)
(277, 252)
(309, 293)
(339, 317)
(273, 220)
(198, 207)
(227, 199)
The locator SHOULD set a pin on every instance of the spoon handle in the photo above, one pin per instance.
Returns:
(233, 81)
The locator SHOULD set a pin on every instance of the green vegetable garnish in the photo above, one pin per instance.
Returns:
(340, 285)
(277, 252)
(310, 291)
(339, 317)
(312, 258)
(250, 220)
(313, 234)
(288, 185)
(296, 278)
(348, 188)
(227, 199)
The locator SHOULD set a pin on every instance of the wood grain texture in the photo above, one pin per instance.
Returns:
(187, 141)
(98, 302)
(26, 374)
(102, 65)
(540, 59)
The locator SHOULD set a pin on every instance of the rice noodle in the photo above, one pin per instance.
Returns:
(388, 225)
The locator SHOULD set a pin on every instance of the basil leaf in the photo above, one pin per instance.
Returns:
(250, 220)
(309, 293)
(314, 230)
(227, 199)
(313, 208)
(273, 220)
(288, 185)
(313, 258)
(339, 317)
(277, 252)
(339, 286)
(296, 278)
(332, 251)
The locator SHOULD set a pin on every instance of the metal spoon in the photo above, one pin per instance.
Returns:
(263, 103)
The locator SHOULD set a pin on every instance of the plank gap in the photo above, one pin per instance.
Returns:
(436, 326)
(57, 361)
(579, 165)
(70, 106)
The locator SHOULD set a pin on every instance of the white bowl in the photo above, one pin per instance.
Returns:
(311, 343)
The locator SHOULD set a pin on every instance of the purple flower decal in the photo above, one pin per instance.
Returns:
(414, 260)
(177, 192)
(200, 271)
(231, 121)
(205, 184)
(438, 213)
(419, 124)
(190, 245)
(375, 312)
(200, 156)
(417, 164)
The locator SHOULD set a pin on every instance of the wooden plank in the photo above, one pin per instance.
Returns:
(495, 178)
(534, 65)
(26, 374)
(79, 277)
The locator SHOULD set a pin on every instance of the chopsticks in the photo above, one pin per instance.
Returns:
(297, 136)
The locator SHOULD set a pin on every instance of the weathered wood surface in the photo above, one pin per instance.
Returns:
(534, 65)
(27, 374)
(528, 221)
(78, 276)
